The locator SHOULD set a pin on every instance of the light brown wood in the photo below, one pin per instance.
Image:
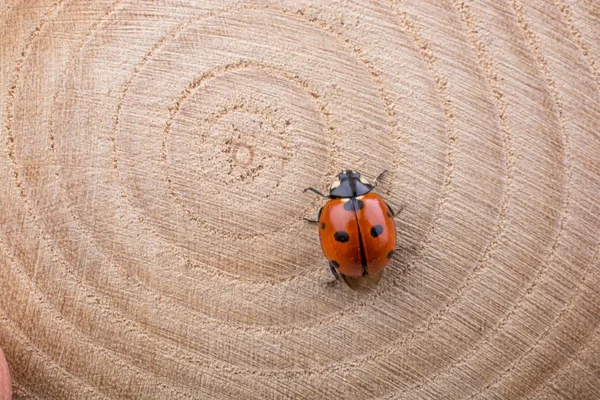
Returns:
(154, 154)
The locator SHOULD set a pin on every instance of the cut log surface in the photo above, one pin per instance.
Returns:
(152, 241)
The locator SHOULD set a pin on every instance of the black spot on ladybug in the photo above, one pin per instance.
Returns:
(341, 236)
(349, 205)
(376, 230)
(322, 225)
(390, 254)
(389, 214)
(334, 264)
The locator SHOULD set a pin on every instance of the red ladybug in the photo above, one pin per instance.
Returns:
(357, 230)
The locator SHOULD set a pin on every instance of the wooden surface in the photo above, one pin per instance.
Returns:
(153, 156)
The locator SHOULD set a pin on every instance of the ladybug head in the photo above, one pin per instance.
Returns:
(349, 184)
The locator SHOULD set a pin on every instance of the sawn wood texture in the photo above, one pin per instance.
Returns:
(153, 156)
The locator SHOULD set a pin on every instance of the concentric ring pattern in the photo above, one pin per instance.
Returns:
(152, 242)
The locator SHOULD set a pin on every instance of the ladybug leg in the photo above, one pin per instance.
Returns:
(376, 181)
(334, 272)
(311, 189)
(314, 221)
(394, 213)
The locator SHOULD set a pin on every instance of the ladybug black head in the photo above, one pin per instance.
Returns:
(349, 184)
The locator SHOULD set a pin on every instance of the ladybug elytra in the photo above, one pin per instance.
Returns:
(357, 229)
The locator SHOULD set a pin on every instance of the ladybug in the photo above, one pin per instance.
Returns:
(356, 229)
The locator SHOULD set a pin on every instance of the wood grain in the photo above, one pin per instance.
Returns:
(152, 242)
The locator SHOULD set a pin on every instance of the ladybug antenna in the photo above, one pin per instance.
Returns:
(311, 189)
